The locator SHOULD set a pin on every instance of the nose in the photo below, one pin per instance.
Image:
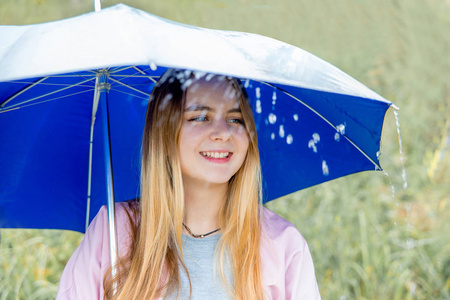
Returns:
(220, 131)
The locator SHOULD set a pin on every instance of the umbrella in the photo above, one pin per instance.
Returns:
(73, 95)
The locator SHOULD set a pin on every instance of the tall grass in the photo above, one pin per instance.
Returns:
(366, 244)
(31, 262)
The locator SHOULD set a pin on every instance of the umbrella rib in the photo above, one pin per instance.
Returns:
(129, 94)
(21, 92)
(50, 84)
(130, 87)
(44, 101)
(142, 72)
(41, 96)
(328, 122)
(120, 70)
(144, 75)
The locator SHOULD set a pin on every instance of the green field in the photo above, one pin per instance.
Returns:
(366, 244)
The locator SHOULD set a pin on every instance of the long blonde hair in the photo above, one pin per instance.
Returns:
(150, 268)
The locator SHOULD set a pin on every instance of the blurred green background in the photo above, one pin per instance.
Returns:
(366, 244)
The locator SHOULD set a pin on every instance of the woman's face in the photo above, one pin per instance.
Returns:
(213, 141)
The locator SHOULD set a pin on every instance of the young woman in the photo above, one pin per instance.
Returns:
(199, 230)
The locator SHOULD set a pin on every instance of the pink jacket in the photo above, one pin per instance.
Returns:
(287, 266)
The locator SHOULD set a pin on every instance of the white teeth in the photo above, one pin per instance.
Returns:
(215, 154)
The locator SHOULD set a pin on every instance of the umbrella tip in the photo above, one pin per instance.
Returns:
(396, 108)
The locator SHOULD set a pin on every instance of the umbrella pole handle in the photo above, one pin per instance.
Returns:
(100, 96)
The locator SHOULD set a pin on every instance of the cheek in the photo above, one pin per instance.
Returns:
(242, 139)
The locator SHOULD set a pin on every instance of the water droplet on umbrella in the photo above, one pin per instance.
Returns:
(325, 169)
(274, 96)
(341, 129)
(281, 132)
(312, 145)
(295, 117)
(153, 66)
(246, 83)
(272, 118)
(316, 137)
(272, 136)
(258, 106)
(337, 137)
(258, 92)
(289, 139)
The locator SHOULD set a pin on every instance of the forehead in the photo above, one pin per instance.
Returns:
(215, 92)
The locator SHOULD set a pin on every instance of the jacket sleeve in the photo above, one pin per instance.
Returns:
(300, 278)
(287, 265)
(82, 277)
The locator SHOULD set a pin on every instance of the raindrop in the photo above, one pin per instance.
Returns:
(337, 137)
(410, 244)
(295, 117)
(341, 129)
(274, 96)
(378, 154)
(209, 77)
(165, 101)
(258, 106)
(246, 83)
(325, 170)
(186, 84)
(197, 74)
(413, 288)
(153, 66)
(281, 132)
(272, 118)
(258, 92)
(402, 157)
(289, 139)
(272, 136)
(316, 137)
(312, 145)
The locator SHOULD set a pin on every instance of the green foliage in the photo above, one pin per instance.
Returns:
(366, 244)
(31, 262)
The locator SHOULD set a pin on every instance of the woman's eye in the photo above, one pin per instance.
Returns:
(198, 119)
(236, 121)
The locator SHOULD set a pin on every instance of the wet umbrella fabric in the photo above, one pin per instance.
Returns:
(62, 83)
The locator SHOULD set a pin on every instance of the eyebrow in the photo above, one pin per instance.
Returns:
(207, 108)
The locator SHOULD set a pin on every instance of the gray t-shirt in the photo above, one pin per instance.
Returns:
(205, 279)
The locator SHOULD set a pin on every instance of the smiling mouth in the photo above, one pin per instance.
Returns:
(215, 154)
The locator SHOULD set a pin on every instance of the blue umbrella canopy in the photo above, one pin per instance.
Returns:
(73, 97)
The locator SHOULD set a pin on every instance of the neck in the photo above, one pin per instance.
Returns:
(202, 205)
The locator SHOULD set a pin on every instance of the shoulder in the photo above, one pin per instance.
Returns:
(83, 275)
(287, 266)
(277, 230)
